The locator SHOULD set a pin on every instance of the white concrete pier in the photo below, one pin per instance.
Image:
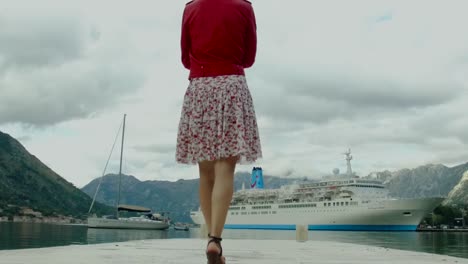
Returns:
(188, 251)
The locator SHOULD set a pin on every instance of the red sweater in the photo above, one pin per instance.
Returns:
(219, 37)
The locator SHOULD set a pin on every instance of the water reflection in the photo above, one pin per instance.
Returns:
(443, 243)
(454, 244)
(95, 236)
(33, 235)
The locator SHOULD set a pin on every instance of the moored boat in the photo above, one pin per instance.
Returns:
(146, 220)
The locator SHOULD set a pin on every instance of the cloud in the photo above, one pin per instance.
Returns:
(323, 65)
(29, 42)
(157, 148)
(319, 98)
(386, 79)
(58, 69)
(447, 121)
(366, 91)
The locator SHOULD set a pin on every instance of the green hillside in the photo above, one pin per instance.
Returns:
(26, 182)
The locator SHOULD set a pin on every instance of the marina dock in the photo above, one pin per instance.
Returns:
(188, 251)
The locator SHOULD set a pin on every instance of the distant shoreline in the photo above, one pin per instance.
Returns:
(43, 220)
(442, 230)
(79, 222)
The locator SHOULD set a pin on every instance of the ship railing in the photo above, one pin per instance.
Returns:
(305, 191)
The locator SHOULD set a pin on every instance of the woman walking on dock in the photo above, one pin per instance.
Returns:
(218, 127)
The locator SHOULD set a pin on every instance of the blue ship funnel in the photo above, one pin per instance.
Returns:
(256, 180)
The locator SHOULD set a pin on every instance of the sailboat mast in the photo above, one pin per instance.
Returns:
(120, 169)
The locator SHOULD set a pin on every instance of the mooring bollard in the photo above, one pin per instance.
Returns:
(203, 231)
(302, 233)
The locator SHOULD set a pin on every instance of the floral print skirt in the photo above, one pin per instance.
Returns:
(218, 121)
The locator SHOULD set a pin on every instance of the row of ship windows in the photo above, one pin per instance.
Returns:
(236, 208)
(269, 206)
(274, 212)
(262, 207)
(367, 186)
(340, 203)
(253, 207)
(254, 213)
(299, 205)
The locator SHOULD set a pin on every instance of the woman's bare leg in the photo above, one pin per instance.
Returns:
(207, 177)
(216, 189)
(222, 194)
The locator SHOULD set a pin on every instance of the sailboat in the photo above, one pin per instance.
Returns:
(147, 220)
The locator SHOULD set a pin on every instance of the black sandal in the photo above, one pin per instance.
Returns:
(215, 257)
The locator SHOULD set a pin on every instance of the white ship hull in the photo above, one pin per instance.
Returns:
(384, 215)
(126, 223)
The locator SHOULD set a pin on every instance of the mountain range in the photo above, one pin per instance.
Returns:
(425, 181)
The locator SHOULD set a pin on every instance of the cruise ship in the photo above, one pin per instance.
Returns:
(340, 202)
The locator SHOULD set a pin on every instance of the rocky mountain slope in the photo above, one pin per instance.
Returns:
(26, 182)
(459, 194)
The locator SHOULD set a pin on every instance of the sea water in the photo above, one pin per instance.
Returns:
(31, 235)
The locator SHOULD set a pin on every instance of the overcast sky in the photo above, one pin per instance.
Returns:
(388, 79)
